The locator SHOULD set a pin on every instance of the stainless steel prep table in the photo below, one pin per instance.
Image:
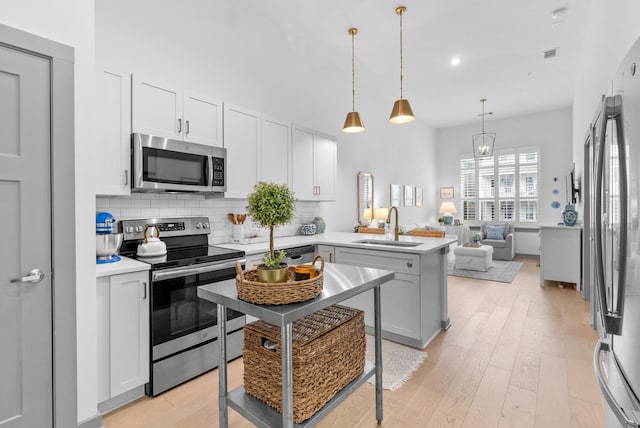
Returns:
(340, 282)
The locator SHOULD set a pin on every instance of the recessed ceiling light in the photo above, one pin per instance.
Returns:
(455, 61)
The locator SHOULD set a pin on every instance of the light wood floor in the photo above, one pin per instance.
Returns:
(517, 355)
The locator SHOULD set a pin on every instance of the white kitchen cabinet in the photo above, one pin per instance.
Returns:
(112, 141)
(241, 139)
(253, 260)
(314, 165)
(327, 252)
(167, 110)
(123, 334)
(274, 150)
(561, 254)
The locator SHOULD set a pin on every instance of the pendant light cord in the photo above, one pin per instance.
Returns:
(353, 72)
(400, 13)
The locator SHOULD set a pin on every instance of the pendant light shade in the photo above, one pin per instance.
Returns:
(401, 112)
(483, 143)
(353, 124)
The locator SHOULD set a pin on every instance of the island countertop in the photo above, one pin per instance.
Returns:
(347, 239)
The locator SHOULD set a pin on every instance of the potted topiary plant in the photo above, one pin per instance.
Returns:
(271, 205)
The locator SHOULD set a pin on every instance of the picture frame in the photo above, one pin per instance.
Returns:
(395, 195)
(446, 193)
(418, 198)
(408, 195)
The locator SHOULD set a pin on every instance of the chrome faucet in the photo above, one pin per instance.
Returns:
(395, 230)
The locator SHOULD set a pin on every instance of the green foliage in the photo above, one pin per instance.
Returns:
(273, 263)
(271, 204)
(476, 237)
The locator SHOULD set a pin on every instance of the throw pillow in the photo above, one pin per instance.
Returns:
(495, 231)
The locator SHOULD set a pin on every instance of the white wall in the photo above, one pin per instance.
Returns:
(72, 22)
(612, 28)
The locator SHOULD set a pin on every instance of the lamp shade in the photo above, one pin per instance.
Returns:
(367, 214)
(401, 112)
(381, 213)
(353, 124)
(447, 208)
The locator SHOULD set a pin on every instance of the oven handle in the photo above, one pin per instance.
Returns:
(194, 270)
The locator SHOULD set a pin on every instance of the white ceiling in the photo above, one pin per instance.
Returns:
(500, 44)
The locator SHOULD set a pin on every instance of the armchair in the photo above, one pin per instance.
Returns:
(503, 248)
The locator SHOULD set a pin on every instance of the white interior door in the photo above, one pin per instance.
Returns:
(25, 241)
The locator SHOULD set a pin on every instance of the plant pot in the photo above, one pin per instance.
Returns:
(273, 275)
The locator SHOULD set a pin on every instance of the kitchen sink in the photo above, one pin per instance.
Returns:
(388, 243)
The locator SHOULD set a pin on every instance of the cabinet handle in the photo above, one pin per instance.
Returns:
(186, 126)
(144, 289)
(126, 177)
(330, 257)
(179, 126)
(318, 190)
(409, 264)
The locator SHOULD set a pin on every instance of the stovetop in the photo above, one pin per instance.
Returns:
(190, 256)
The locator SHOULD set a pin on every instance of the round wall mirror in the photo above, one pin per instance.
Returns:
(365, 197)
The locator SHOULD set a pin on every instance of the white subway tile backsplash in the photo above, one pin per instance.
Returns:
(152, 205)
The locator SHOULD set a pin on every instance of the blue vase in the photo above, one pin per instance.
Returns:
(569, 215)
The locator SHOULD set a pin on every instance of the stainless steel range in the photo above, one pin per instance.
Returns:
(184, 327)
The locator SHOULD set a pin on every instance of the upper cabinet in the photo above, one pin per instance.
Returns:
(112, 141)
(275, 150)
(314, 164)
(241, 139)
(167, 110)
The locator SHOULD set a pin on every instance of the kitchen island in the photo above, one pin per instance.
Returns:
(414, 303)
(340, 283)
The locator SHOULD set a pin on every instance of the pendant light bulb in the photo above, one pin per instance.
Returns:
(352, 123)
(401, 112)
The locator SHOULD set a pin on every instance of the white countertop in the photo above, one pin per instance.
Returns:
(345, 239)
(560, 226)
(125, 265)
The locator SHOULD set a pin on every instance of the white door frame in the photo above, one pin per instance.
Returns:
(65, 393)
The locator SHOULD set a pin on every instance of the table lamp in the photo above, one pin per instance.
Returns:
(447, 209)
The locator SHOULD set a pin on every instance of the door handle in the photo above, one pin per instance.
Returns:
(179, 126)
(186, 124)
(34, 276)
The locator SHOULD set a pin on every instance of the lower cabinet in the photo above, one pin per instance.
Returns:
(123, 335)
(412, 312)
(327, 252)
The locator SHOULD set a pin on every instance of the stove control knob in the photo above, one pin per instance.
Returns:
(205, 225)
(128, 229)
(198, 225)
(138, 229)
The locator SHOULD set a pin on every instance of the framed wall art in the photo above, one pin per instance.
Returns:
(408, 195)
(446, 193)
(396, 195)
(418, 199)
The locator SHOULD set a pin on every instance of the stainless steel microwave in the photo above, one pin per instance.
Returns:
(166, 165)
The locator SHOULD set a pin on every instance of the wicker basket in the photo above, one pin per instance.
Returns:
(328, 353)
(278, 293)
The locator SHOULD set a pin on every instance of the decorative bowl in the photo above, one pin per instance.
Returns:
(308, 229)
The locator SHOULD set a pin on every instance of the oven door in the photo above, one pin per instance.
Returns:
(161, 164)
(179, 318)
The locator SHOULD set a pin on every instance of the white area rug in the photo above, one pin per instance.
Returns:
(398, 362)
(501, 271)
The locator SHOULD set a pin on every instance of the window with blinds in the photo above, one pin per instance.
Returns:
(503, 187)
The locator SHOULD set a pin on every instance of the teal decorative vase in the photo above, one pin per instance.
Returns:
(320, 224)
(569, 215)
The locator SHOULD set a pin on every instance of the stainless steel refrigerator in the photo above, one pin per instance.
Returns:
(614, 170)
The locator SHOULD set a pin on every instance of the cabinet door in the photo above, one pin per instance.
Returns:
(113, 139)
(327, 252)
(401, 305)
(325, 163)
(129, 331)
(202, 119)
(157, 108)
(253, 260)
(302, 168)
(241, 134)
(274, 156)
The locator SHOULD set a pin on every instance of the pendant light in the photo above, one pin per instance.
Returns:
(401, 112)
(353, 124)
(483, 142)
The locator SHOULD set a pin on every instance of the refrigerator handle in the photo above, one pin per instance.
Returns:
(617, 410)
(624, 200)
(601, 292)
